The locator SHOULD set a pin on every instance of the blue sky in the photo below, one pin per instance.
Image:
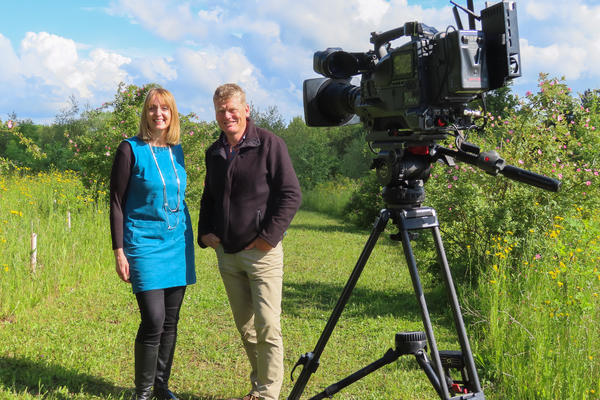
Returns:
(84, 48)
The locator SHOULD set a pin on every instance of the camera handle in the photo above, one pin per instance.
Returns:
(413, 29)
(437, 369)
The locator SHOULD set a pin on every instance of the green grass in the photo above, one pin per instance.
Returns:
(67, 330)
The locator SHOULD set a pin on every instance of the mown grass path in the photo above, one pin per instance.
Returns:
(77, 342)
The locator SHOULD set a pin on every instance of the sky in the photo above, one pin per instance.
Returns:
(54, 51)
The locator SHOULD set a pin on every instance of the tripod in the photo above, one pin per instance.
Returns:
(403, 195)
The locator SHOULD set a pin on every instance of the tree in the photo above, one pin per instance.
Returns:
(270, 119)
(310, 152)
(11, 130)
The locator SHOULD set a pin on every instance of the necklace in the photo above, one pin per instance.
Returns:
(166, 207)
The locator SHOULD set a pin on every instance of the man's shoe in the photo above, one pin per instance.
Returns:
(246, 397)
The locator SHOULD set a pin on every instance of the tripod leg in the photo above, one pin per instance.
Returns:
(404, 226)
(310, 361)
(473, 378)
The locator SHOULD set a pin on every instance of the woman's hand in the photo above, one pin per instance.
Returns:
(122, 265)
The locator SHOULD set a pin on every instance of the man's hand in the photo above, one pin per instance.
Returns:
(259, 244)
(211, 240)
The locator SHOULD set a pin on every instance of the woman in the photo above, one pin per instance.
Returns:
(152, 236)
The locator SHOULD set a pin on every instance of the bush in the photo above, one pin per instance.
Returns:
(552, 133)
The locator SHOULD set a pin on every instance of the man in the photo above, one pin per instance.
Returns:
(250, 196)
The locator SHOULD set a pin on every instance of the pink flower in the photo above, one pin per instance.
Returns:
(538, 256)
(521, 162)
(528, 93)
(588, 183)
(9, 124)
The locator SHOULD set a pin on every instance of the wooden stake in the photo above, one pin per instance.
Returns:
(33, 252)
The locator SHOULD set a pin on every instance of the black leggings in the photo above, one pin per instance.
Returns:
(159, 310)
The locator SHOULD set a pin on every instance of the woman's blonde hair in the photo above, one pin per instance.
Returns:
(173, 132)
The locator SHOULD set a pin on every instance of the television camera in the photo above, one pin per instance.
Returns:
(409, 98)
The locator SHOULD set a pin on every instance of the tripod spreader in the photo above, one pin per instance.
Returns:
(406, 343)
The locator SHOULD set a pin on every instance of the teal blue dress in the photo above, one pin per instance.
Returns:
(157, 237)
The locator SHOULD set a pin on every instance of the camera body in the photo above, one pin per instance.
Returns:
(418, 91)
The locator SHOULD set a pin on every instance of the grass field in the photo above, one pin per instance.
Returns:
(67, 330)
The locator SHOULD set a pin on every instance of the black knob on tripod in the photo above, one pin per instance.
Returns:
(410, 342)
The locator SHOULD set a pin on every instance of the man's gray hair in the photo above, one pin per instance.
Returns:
(227, 91)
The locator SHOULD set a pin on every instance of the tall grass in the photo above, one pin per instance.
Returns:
(540, 337)
(42, 204)
(330, 197)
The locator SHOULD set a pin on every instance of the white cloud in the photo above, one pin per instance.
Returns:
(371, 11)
(49, 68)
(10, 65)
(539, 10)
(169, 19)
(55, 61)
(208, 68)
(155, 69)
(541, 59)
(565, 43)
(50, 58)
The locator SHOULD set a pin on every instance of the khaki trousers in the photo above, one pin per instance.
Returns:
(253, 280)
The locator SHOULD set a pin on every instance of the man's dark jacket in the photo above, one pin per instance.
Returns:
(255, 194)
